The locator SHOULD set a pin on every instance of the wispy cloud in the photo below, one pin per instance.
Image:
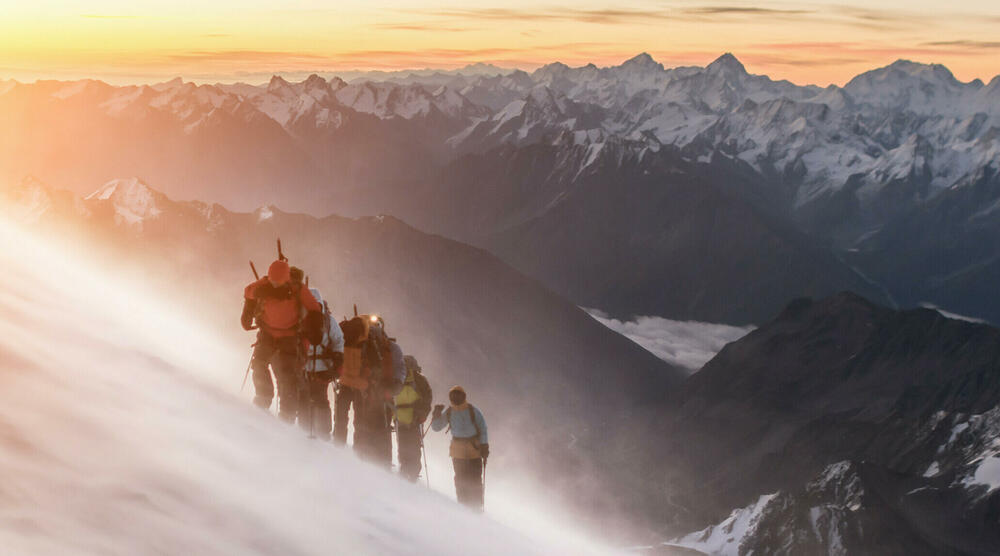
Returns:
(965, 44)
(743, 10)
(424, 27)
(603, 16)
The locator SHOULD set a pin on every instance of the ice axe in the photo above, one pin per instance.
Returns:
(254, 269)
(281, 255)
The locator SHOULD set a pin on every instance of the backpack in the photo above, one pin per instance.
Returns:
(355, 373)
(413, 403)
(423, 406)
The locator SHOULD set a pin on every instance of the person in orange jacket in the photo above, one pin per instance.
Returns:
(276, 304)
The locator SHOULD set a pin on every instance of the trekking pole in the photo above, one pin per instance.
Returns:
(281, 255)
(484, 484)
(249, 364)
(312, 420)
(254, 269)
(246, 374)
(427, 473)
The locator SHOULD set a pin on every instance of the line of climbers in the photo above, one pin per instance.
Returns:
(384, 390)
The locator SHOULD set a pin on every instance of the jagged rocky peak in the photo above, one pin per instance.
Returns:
(277, 83)
(314, 81)
(728, 64)
(552, 70)
(642, 61)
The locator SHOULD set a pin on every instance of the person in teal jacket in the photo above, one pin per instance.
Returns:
(469, 446)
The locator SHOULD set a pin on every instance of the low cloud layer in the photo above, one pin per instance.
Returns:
(686, 344)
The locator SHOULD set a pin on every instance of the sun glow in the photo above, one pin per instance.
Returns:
(819, 42)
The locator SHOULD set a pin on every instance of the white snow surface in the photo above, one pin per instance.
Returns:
(122, 434)
(987, 473)
(725, 538)
(687, 344)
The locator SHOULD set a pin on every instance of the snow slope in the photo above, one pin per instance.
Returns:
(121, 434)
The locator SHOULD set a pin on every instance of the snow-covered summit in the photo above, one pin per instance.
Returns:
(132, 200)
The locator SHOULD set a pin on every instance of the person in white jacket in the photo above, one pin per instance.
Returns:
(322, 365)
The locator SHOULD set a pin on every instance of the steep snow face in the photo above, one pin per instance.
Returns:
(120, 435)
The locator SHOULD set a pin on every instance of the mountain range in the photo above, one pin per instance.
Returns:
(884, 186)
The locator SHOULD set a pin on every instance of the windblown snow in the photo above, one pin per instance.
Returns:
(121, 433)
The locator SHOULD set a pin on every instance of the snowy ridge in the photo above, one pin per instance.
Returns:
(727, 538)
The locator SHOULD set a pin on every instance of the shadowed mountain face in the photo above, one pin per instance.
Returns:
(551, 380)
(958, 265)
(640, 229)
(882, 421)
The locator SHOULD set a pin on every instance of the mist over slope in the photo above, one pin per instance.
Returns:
(121, 434)
(558, 389)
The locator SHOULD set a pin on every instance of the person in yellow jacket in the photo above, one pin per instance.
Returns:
(469, 446)
(413, 405)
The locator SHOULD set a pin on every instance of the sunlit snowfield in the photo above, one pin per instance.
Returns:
(122, 432)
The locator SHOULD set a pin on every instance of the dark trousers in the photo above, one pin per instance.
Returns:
(372, 433)
(469, 482)
(408, 441)
(372, 436)
(314, 404)
(281, 354)
(346, 399)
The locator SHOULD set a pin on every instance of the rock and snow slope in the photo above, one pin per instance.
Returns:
(120, 434)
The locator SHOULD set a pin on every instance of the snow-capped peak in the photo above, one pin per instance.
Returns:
(727, 64)
(265, 213)
(132, 199)
(643, 62)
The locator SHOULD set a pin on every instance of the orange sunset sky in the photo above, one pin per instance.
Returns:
(248, 40)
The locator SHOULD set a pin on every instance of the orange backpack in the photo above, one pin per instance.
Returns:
(355, 372)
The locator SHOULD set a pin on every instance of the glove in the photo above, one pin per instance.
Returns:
(438, 409)
(313, 327)
(246, 319)
(484, 450)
